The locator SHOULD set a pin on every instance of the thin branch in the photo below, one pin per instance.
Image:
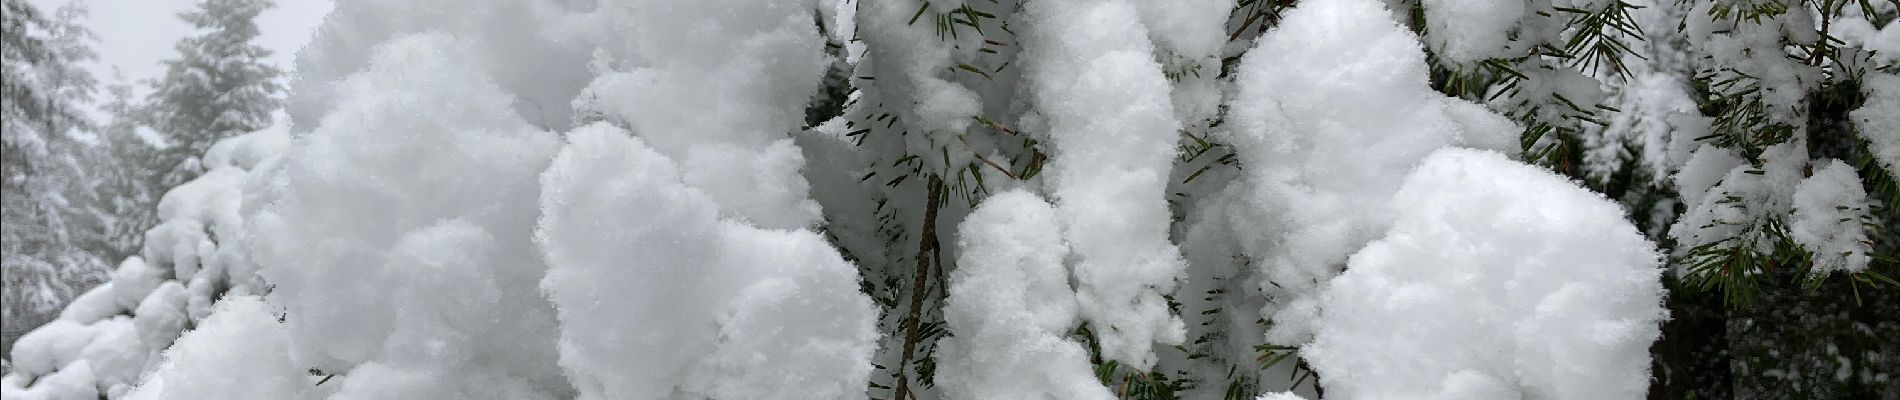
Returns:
(1251, 17)
(986, 160)
(998, 168)
(925, 245)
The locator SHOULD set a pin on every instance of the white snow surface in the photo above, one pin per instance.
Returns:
(657, 295)
(112, 335)
(74, 381)
(1877, 119)
(1743, 200)
(1830, 219)
(725, 116)
(1498, 280)
(1337, 80)
(395, 231)
(240, 352)
(1011, 309)
(614, 199)
(1112, 123)
(1468, 31)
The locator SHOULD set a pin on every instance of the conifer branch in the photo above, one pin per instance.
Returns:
(927, 244)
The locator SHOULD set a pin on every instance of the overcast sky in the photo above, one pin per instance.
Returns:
(136, 35)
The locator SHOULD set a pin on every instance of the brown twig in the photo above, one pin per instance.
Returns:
(986, 160)
(925, 245)
(998, 168)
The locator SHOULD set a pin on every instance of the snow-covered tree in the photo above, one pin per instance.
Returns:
(218, 86)
(127, 168)
(944, 199)
(49, 213)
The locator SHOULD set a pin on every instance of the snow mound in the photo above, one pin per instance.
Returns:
(1877, 120)
(1507, 281)
(113, 334)
(1831, 216)
(240, 352)
(1338, 80)
(395, 234)
(1011, 309)
(722, 309)
(1112, 122)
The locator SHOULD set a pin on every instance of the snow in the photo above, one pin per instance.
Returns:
(133, 281)
(1010, 308)
(112, 335)
(1855, 30)
(747, 312)
(382, 381)
(527, 51)
(116, 355)
(909, 61)
(1468, 31)
(1187, 37)
(1335, 81)
(801, 330)
(616, 282)
(1704, 169)
(556, 199)
(725, 116)
(239, 352)
(395, 226)
(191, 215)
(1112, 123)
(1831, 216)
(162, 317)
(1743, 203)
(914, 66)
(1509, 280)
(1481, 128)
(1658, 115)
(1752, 49)
(1876, 119)
(249, 150)
(72, 382)
(96, 304)
(51, 346)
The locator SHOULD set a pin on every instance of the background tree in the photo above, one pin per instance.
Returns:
(218, 87)
(129, 167)
(46, 145)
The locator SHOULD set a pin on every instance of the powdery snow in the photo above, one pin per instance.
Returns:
(1337, 80)
(658, 296)
(1011, 309)
(1468, 31)
(1498, 280)
(413, 190)
(1095, 80)
(109, 337)
(1739, 206)
(725, 116)
(1876, 119)
(241, 351)
(1831, 216)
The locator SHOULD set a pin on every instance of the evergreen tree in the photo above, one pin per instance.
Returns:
(218, 87)
(44, 151)
(128, 169)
